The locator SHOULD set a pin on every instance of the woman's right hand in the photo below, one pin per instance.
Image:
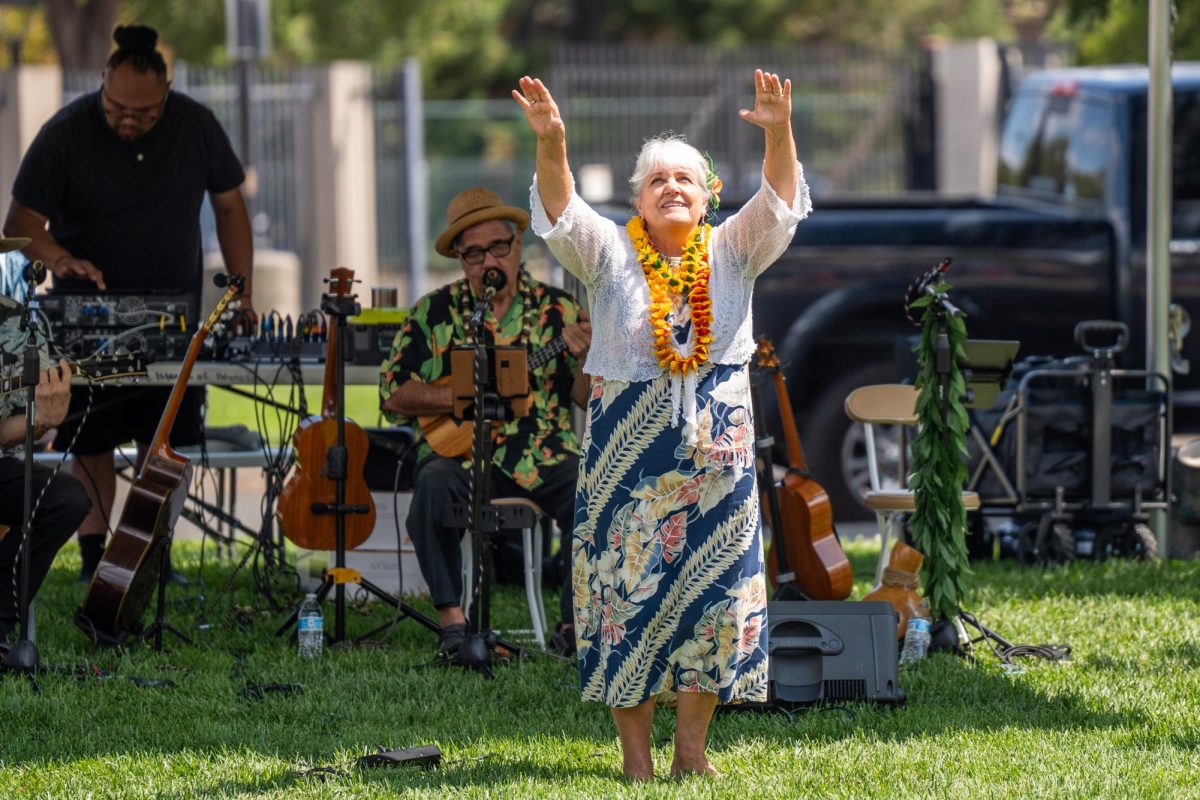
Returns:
(540, 110)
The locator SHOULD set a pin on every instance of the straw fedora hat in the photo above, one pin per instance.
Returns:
(470, 207)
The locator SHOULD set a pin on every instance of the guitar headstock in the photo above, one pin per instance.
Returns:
(765, 353)
(341, 282)
(113, 367)
(233, 288)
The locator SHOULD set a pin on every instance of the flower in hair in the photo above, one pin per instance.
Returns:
(713, 183)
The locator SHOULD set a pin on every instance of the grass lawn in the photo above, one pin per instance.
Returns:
(1122, 719)
(226, 408)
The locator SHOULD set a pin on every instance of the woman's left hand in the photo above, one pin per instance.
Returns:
(772, 102)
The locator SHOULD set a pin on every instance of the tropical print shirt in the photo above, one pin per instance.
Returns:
(12, 338)
(421, 351)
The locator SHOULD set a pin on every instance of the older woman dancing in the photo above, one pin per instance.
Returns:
(669, 594)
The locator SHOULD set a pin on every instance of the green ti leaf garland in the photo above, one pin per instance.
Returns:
(938, 525)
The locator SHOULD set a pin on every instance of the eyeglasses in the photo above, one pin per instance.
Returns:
(116, 112)
(474, 255)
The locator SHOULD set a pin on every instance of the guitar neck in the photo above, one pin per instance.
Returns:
(788, 422)
(547, 354)
(15, 383)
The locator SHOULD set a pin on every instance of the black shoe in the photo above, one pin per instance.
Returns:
(91, 551)
(450, 639)
(562, 641)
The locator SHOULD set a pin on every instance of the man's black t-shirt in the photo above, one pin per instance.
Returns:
(131, 208)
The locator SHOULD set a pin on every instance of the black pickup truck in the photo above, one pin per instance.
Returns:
(1063, 241)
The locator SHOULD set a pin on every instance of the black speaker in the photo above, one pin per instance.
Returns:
(833, 652)
(390, 448)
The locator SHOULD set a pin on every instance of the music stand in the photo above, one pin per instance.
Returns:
(986, 365)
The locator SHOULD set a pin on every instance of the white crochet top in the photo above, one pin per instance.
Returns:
(598, 252)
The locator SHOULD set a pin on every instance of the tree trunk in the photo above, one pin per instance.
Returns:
(82, 31)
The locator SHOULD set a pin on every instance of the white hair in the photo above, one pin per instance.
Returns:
(667, 150)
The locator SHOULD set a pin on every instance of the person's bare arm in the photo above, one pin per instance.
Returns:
(773, 113)
(236, 240)
(415, 398)
(553, 171)
(579, 338)
(24, 221)
(51, 400)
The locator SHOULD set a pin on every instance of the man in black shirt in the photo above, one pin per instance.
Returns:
(120, 176)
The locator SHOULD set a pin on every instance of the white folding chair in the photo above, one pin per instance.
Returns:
(889, 404)
(531, 553)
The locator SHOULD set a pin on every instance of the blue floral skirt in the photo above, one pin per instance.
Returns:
(667, 569)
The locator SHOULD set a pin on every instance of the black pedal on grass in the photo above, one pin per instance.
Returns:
(427, 756)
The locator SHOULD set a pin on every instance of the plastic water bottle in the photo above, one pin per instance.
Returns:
(310, 627)
(916, 640)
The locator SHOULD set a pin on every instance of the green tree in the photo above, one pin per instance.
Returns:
(1117, 31)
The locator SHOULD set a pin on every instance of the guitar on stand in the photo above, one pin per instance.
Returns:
(330, 508)
(138, 555)
(802, 534)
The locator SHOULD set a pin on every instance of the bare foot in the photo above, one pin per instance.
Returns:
(639, 772)
(683, 767)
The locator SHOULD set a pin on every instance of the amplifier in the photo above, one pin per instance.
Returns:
(373, 332)
(832, 651)
(158, 324)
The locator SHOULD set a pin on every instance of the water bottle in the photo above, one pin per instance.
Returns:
(310, 627)
(916, 640)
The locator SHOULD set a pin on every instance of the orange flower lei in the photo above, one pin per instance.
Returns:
(691, 279)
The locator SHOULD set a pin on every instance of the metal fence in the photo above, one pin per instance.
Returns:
(851, 109)
(851, 113)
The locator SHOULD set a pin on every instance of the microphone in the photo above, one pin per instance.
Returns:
(921, 285)
(34, 272)
(494, 279)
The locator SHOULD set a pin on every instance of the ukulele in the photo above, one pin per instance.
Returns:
(308, 485)
(450, 436)
(96, 369)
(806, 531)
(128, 572)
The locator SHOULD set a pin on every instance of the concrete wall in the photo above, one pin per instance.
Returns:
(343, 179)
(28, 97)
(967, 75)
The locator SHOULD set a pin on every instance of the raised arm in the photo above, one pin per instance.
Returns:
(773, 113)
(553, 172)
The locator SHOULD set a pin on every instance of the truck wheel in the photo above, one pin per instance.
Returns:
(836, 449)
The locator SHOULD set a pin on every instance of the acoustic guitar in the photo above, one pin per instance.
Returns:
(806, 532)
(96, 369)
(124, 580)
(451, 437)
(308, 485)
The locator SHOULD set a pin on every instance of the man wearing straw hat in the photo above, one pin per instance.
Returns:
(535, 456)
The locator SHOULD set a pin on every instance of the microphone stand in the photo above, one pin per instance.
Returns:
(23, 656)
(474, 651)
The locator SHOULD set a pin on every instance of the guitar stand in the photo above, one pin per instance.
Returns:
(786, 587)
(336, 470)
(160, 624)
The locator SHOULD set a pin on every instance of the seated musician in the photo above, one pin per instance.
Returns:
(62, 504)
(535, 456)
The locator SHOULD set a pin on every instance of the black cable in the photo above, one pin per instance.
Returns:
(1006, 651)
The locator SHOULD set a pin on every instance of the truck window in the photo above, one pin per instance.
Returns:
(1185, 165)
(1185, 205)
(1056, 147)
